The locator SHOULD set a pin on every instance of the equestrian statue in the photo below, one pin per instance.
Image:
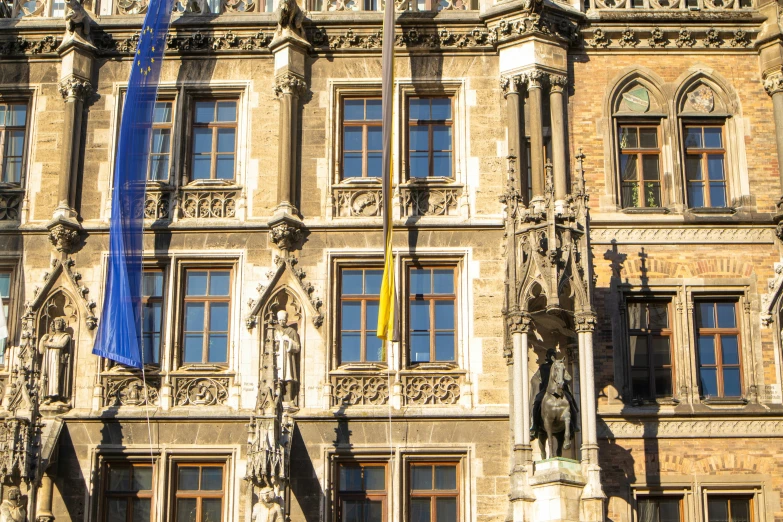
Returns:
(555, 416)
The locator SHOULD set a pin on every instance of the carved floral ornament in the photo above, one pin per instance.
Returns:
(773, 82)
(533, 79)
(289, 84)
(663, 37)
(72, 88)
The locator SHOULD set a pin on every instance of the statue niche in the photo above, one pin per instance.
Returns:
(282, 347)
(554, 414)
(56, 348)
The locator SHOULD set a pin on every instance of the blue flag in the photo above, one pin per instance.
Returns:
(119, 332)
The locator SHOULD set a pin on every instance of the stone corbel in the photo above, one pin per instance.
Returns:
(64, 234)
(290, 84)
(74, 88)
(286, 233)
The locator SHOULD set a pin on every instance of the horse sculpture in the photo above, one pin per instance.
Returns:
(555, 416)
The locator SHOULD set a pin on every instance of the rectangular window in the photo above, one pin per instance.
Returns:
(362, 138)
(704, 166)
(199, 492)
(431, 315)
(152, 315)
(361, 492)
(718, 341)
(127, 494)
(5, 305)
(729, 509)
(430, 140)
(160, 142)
(434, 495)
(214, 139)
(206, 315)
(650, 342)
(640, 175)
(659, 509)
(13, 123)
(359, 295)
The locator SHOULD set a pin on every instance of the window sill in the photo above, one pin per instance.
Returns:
(120, 369)
(361, 367)
(712, 210)
(435, 180)
(432, 367)
(724, 401)
(645, 210)
(210, 183)
(203, 368)
(360, 181)
(10, 187)
(663, 401)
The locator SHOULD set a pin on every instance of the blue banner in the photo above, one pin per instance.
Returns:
(119, 331)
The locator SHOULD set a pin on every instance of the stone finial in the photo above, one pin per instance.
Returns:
(73, 88)
(289, 84)
(558, 82)
(773, 82)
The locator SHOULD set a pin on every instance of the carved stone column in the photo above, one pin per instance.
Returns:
(593, 496)
(557, 85)
(512, 88)
(521, 493)
(534, 105)
(773, 84)
(44, 513)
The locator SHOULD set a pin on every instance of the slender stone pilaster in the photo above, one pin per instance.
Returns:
(773, 84)
(45, 491)
(557, 84)
(288, 88)
(534, 106)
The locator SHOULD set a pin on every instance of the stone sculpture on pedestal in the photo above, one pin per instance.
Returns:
(555, 415)
(55, 348)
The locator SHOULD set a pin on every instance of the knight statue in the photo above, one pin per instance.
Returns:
(555, 414)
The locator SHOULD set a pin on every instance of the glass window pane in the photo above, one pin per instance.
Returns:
(352, 511)
(729, 349)
(441, 108)
(419, 109)
(718, 195)
(205, 112)
(740, 510)
(706, 316)
(188, 478)
(441, 164)
(444, 346)
(117, 510)
(352, 282)
(419, 166)
(201, 167)
(371, 321)
(712, 138)
(218, 348)
(660, 351)
(652, 194)
(353, 110)
(731, 382)
(628, 167)
(648, 510)
(421, 477)
(650, 168)
(420, 281)
(693, 168)
(227, 111)
(420, 347)
(637, 316)
(194, 345)
(5, 284)
(708, 378)
(374, 478)
(419, 137)
(225, 167)
(159, 168)
(211, 478)
(15, 144)
(350, 347)
(420, 510)
(717, 510)
(226, 139)
(446, 510)
(120, 478)
(194, 317)
(141, 510)
(443, 281)
(373, 345)
(372, 282)
(726, 317)
(715, 167)
(669, 510)
(628, 138)
(202, 140)
(420, 315)
(696, 195)
(374, 137)
(352, 165)
(350, 478)
(218, 317)
(659, 315)
(373, 109)
(639, 351)
(693, 137)
(663, 383)
(373, 511)
(444, 315)
(17, 115)
(446, 477)
(2, 115)
(219, 283)
(152, 284)
(142, 478)
(162, 112)
(186, 510)
(352, 315)
(441, 137)
(648, 138)
(640, 383)
(374, 162)
(706, 349)
(352, 138)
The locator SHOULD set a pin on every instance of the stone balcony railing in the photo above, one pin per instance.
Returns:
(360, 389)
(162, 203)
(431, 389)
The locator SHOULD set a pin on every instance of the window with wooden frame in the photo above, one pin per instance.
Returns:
(650, 344)
(5, 306)
(640, 173)
(207, 300)
(360, 290)
(199, 492)
(434, 492)
(152, 287)
(13, 132)
(430, 137)
(214, 136)
(127, 492)
(729, 508)
(659, 509)
(432, 314)
(361, 491)
(160, 141)
(362, 141)
(705, 169)
(718, 341)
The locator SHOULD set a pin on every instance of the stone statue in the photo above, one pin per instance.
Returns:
(267, 509)
(289, 18)
(12, 510)
(287, 345)
(554, 409)
(77, 21)
(55, 348)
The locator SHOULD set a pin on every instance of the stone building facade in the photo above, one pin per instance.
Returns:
(600, 178)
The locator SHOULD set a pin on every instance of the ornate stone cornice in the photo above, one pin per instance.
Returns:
(73, 88)
(611, 429)
(773, 82)
(557, 82)
(289, 84)
(585, 322)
